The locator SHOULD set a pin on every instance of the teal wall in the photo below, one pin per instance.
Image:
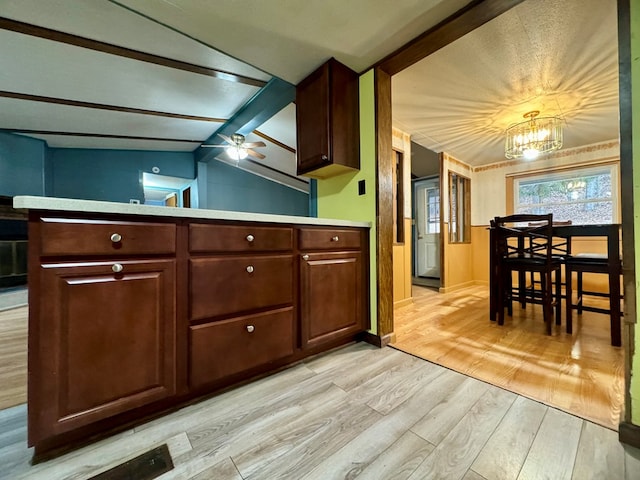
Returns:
(29, 167)
(230, 188)
(111, 175)
(23, 163)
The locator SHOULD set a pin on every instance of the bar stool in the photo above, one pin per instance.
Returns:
(590, 263)
(524, 249)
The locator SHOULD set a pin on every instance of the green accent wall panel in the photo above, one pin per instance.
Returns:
(338, 197)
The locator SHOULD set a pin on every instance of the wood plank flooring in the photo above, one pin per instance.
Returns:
(355, 413)
(581, 373)
(13, 357)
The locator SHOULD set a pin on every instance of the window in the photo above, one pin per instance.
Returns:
(584, 195)
(459, 209)
(398, 198)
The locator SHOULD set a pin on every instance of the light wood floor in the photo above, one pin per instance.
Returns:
(13, 357)
(355, 413)
(581, 373)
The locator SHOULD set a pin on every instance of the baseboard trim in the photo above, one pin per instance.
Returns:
(378, 341)
(402, 303)
(455, 288)
(629, 433)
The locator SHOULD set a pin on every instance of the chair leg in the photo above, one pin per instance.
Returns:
(501, 298)
(569, 300)
(522, 289)
(558, 298)
(579, 301)
(546, 301)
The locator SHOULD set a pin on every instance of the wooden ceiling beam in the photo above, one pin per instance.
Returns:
(276, 95)
(102, 106)
(77, 41)
(474, 15)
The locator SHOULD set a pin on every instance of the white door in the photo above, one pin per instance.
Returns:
(428, 229)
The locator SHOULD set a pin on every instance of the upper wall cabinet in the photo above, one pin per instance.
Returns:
(327, 122)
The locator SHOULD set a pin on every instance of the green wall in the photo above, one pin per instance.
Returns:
(635, 102)
(338, 197)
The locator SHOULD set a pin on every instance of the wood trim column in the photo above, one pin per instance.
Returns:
(384, 201)
(628, 220)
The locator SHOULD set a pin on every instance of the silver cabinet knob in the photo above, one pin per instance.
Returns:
(250, 269)
(250, 328)
(250, 238)
(117, 267)
(116, 237)
(335, 239)
(305, 257)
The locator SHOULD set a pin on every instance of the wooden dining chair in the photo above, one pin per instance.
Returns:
(525, 248)
(591, 263)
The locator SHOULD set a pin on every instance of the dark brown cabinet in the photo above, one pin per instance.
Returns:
(332, 285)
(129, 316)
(327, 122)
(241, 299)
(107, 342)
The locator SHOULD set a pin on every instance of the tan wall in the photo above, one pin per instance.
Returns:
(458, 264)
(402, 252)
(402, 268)
(480, 256)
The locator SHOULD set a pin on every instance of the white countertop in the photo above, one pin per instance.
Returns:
(92, 206)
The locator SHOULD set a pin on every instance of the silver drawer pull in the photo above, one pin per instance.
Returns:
(117, 267)
(250, 328)
(250, 238)
(250, 269)
(116, 237)
(305, 257)
(335, 239)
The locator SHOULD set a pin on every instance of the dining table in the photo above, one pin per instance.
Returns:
(568, 232)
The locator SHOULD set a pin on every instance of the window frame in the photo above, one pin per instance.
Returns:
(459, 231)
(567, 173)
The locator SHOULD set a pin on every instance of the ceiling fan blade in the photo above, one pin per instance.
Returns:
(214, 146)
(253, 153)
(226, 139)
(254, 144)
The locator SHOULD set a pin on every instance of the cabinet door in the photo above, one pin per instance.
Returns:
(312, 117)
(108, 342)
(331, 296)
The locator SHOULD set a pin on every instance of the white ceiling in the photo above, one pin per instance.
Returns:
(459, 99)
(560, 58)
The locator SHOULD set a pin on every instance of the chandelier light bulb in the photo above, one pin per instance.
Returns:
(533, 137)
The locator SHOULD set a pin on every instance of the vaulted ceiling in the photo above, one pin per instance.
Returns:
(169, 74)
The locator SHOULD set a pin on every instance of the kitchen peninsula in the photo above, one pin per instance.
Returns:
(134, 309)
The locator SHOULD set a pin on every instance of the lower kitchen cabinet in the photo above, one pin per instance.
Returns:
(227, 347)
(104, 342)
(130, 316)
(331, 296)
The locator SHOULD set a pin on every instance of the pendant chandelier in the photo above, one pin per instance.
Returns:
(533, 137)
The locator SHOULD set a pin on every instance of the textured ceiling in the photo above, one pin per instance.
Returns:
(556, 57)
(290, 38)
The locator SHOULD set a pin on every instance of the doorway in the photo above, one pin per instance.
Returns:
(427, 245)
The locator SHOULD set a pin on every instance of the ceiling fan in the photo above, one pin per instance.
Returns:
(237, 148)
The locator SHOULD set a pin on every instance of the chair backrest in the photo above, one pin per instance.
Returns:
(525, 236)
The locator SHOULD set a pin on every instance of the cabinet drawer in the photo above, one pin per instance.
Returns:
(222, 286)
(221, 349)
(231, 238)
(64, 236)
(329, 239)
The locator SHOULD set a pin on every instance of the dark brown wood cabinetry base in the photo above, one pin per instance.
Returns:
(134, 316)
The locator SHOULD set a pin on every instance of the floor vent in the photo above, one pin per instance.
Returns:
(147, 466)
